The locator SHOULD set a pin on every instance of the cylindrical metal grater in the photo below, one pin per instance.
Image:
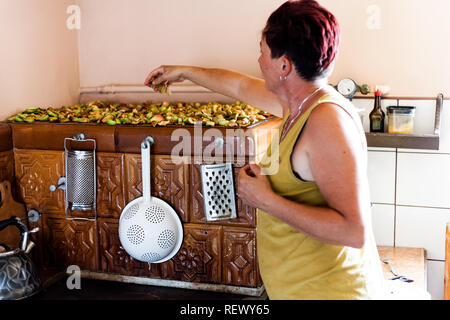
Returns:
(81, 177)
(218, 191)
(80, 180)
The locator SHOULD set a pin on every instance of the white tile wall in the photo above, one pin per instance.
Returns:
(417, 215)
(445, 127)
(435, 279)
(425, 115)
(422, 228)
(423, 180)
(383, 224)
(381, 174)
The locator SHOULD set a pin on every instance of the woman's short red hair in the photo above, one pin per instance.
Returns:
(307, 34)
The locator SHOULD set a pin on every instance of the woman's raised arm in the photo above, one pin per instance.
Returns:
(236, 85)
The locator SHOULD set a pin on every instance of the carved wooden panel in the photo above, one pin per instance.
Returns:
(7, 172)
(169, 182)
(240, 265)
(113, 258)
(69, 242)
(199, 259)
(7, 166)
(110, 185)
(246, 215)
(36, 170)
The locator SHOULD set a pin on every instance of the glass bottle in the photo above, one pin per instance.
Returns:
(377, 115)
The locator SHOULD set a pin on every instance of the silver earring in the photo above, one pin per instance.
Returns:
(283, 79)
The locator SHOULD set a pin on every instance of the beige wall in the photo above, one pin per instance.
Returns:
(38, 55)
(121, 40)
(410, 51)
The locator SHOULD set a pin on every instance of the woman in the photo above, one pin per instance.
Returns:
(314, 233)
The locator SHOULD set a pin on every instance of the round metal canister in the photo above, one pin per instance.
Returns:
(80, 175)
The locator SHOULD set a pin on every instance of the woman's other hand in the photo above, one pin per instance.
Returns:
(165, 74)
(253, 186)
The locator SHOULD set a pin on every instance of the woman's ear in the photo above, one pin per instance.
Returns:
(285, 66)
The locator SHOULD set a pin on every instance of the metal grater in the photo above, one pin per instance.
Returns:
(81, 180)
(218, 191)
(81, 176)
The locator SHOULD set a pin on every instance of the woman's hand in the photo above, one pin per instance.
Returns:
(254, 187)
(168, 74)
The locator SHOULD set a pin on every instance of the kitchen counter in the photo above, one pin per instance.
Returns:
(409, 262)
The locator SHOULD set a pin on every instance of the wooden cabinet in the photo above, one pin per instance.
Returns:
(200, 257)
(240, 266)
(169, 182)
(68, 242)
(35, 171)
(113, 258)
(7, 166)
(8, 235)
(110, 185)
(221, 252)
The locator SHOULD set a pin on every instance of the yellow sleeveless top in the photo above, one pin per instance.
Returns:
(294, 266)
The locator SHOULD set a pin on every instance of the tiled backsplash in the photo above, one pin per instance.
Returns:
(409, 190)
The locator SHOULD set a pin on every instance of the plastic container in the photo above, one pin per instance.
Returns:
(401, 120)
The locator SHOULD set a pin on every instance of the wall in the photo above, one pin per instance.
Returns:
(409, 192)
(408, 52)
(38, 55)
(120, 43)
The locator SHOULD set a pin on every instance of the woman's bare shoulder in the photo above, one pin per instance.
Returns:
(332, 126)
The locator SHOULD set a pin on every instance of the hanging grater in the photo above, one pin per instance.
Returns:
(218, 191)
(79, 184)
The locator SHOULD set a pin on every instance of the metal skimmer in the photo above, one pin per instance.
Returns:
(218, 191)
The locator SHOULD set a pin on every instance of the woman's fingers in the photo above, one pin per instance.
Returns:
(251, 170)
(157, 73)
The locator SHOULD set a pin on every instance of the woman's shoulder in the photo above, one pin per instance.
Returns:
(334, 97)
(334, 116)
(334, 102)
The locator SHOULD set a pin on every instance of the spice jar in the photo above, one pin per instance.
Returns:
(401, 120)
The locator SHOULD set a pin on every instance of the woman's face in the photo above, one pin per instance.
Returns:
(269, 67)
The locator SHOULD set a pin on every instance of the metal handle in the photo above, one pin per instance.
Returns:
(61, 185)
(33, 215)
(15, 221)
(438, 119)
(145, 158)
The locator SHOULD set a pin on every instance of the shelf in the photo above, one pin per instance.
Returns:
(410, 141)
(404, 141)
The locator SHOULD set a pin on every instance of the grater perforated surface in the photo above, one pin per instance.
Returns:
(80, 175)
(218, 191)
